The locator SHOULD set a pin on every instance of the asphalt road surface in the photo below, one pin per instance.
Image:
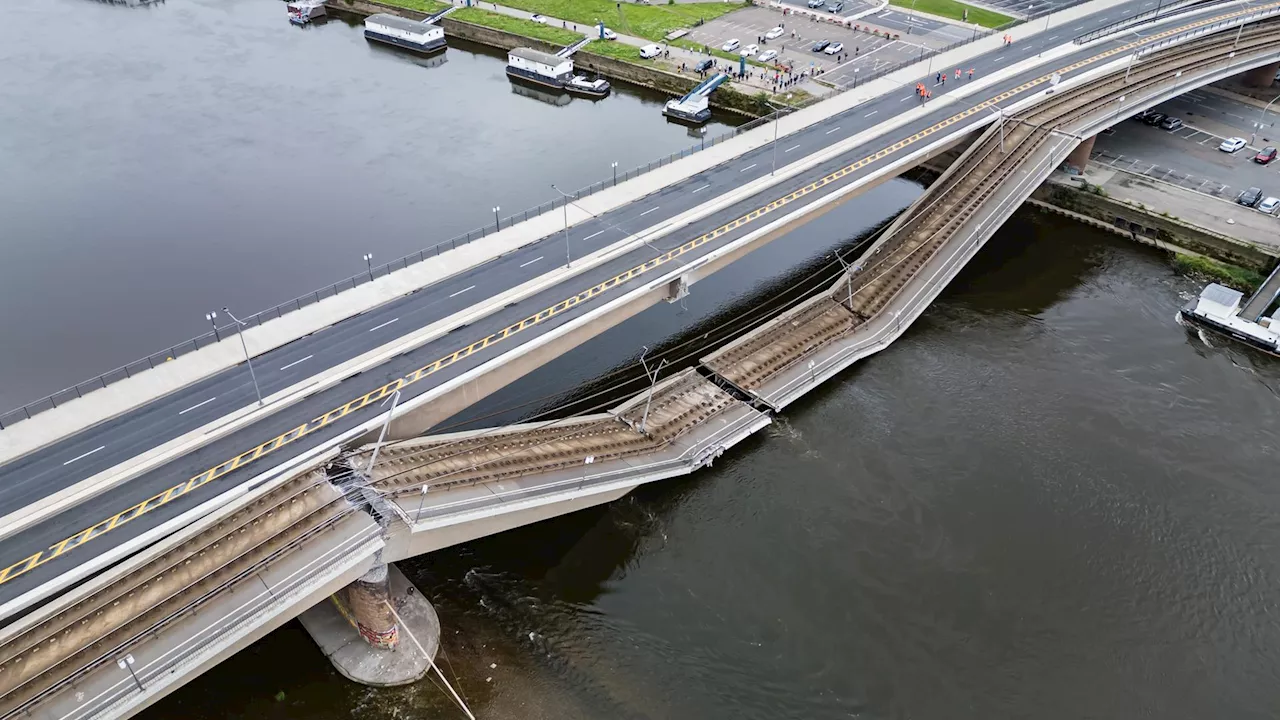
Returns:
(26, 481)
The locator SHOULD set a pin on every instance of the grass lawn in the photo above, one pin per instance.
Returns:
(1242, 279)
(646, 21)
(617, 50)
(527, 28)
(955, 11)
(426, 6)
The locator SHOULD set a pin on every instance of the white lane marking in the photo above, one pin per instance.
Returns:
(646, 212)
(793, 147)
(1078, 27)
(193, 407)
(904, 99)
(747, 168)
(1055, 37)
(395, 319)
(540, 256)
(833, 129)
(873, 112)
(586, 238)
(81, 457)
(704, 187)
(295, 362)
(469, 287)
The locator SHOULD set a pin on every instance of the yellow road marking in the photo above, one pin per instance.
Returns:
(132, 513)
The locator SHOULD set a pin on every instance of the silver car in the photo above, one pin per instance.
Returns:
(1269, 205)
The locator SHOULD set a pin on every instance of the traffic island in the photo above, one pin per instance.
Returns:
(376, 630)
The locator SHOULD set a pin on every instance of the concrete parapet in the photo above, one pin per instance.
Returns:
(363, 659)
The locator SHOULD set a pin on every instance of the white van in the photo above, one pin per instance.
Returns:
(648, 52)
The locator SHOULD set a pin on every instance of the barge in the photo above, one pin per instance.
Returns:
(418, 37)
(1217, 310)
(552, 71)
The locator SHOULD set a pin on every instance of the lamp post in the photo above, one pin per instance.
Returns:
(1261, 117)
(212, 317)
(368, 262)
(911, 14)
(249, 361)
(126, 663)
(568, 262)
(777, 115)
(615, 172)
(497, 224)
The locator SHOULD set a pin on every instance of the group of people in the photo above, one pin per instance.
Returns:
(1008, 39)
(925, 93)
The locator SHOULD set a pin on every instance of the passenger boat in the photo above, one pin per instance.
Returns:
(581, 85)
(419, 37)
(305, 12)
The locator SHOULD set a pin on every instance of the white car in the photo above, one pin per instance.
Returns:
(768, 56)
(1269, 205)
(1231, 144)
(538, 18)
(608, 34)
(834, 48)
(749, 50)
(731, 45)
(774, 33)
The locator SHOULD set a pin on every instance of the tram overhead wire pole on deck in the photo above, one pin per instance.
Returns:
(248, 360)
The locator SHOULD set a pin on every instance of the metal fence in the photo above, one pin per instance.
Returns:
(1143, 18)
(78, 390)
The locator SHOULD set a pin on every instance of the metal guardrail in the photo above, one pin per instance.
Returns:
(1143, 18)
(53, 400)
(1239, 19)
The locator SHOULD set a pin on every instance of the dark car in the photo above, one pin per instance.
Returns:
(1250, 197)
(1171, 123)
(704, 65)
(1140, 116)
(1266, 155)
(1154, 118)
(820, 45)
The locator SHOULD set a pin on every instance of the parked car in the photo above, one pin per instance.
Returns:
(1250, 197)
(820, 45)
(835, 7)
(774, 33)
(538, 18)
(1171, 123)
(1269, 205)
(1264, 156)
(768, 56)
(834, 48)
(608, 34)
(731, 45)
(749, 50)
(1231, 144)
(1154, 118)
(704, 65)
(817, 3)
(650, 51)
(1141, 116)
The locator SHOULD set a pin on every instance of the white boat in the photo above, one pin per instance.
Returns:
(581, 85)
(304, 12)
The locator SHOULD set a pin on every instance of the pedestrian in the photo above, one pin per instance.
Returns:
(970, 73)
(957, 73)
(944, 79)
(856, 50)
(937, 79)
(564, 24)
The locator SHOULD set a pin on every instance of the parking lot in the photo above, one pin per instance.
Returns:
(1188, 157)
(862, 54)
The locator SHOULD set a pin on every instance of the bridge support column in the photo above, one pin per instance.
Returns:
(376, 630)
(1078, 160)
(1260, 77)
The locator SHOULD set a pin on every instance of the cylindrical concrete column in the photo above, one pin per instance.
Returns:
(1079, 158)
(364, 604)
(1260, 77)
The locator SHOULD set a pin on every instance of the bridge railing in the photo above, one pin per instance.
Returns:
(1239, 19)
(53, 400)
(1143, 18)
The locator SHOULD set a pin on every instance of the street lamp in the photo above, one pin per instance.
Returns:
(240, 331)
(1261, 117)
(615, 172)
(368, 261)
(212, 317)
(910, 14)
(777, 115)
(126, 663)
(568, 262)
(497, 224)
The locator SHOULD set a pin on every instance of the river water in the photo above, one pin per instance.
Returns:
(1047, 500)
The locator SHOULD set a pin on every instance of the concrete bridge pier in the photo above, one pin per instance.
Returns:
(379, 630)
(1260, 77)
(1078, 160)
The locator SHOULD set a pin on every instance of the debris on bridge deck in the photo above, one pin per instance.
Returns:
(690, 421)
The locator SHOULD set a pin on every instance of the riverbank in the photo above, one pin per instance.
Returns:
(504, 32)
